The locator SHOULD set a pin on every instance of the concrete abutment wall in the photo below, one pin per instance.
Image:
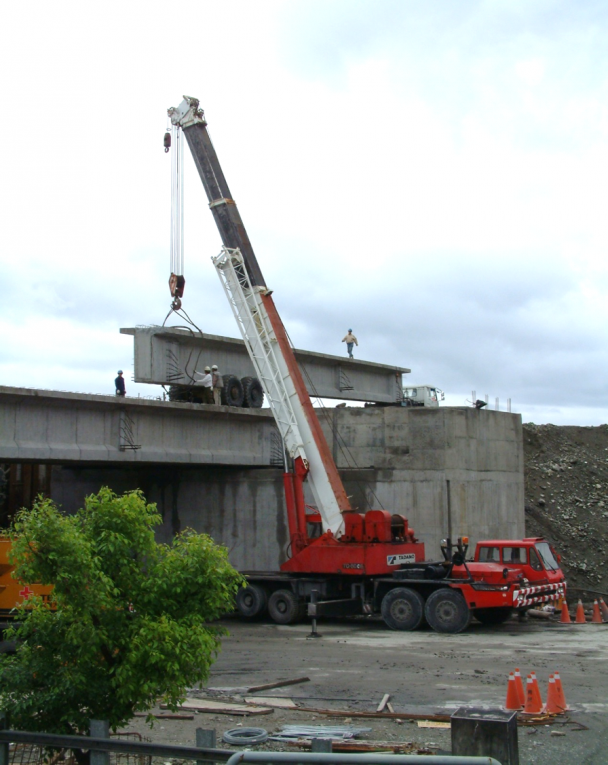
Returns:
(405, 461)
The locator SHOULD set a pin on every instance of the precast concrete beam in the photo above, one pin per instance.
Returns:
(169, 356)
(58, 427)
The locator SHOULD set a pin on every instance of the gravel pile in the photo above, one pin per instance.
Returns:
(566, 496)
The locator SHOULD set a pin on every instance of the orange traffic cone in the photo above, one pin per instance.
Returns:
(560, 696)
(580, 613)
(520, 687)
(597, 617)
(534, 702)
(512, 702)
(552, 706)
(565, 617)
(604, 610)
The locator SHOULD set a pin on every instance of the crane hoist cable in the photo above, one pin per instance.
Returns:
(174, 138)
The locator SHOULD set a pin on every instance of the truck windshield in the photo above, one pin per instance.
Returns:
(547, 556)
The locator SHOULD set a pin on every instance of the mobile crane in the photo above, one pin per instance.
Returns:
(361, 562)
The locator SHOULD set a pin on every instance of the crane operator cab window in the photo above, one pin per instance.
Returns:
(489, 555)
(516, 555)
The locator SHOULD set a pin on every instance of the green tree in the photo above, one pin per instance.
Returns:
(131, 619)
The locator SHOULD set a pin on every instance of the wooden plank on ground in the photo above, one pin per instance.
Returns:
(279, 702)
(278, 684)
(384, 702)
(165, 716)
(211, 706)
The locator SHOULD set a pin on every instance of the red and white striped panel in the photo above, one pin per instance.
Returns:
(543, 593)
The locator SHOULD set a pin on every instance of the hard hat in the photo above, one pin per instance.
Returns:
(350, 330)
(214, 366)
(119, 372)
(207, 369)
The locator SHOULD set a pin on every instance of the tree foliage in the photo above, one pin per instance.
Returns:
(131, 618)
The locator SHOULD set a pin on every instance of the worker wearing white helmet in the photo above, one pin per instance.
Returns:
(207, 383)
(217, 384)
(350, 340)
(119, 384)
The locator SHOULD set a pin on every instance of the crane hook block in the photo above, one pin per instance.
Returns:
(167, 141)
(176, 285)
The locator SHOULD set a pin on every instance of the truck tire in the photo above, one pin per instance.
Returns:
(253, 392)
(251, 601)
(283, 607)
(402, 609)
(446, 611)
(492, 616)
(232, 392)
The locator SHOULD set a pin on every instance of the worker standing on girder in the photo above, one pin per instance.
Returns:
(119, 384)
(350, 340)
(217, 383)
(207, 384)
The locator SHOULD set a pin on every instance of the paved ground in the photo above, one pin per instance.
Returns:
(356, 662)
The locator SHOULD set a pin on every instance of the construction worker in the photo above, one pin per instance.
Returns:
(350, 340)
(119, 384)
(217, 384)
(207, 384)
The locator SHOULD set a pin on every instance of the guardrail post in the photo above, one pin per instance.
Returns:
(3, 744)
(321, 745)
(205, 739)
(99, 729)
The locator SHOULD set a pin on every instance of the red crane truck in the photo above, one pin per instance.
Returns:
(359, 563)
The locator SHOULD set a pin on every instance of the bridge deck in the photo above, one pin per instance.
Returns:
(60, 427)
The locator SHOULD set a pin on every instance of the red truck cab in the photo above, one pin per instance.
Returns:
(543, 580)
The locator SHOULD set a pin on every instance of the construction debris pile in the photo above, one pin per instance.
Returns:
(566, 496)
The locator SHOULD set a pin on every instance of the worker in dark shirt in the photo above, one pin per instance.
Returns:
(119, 383)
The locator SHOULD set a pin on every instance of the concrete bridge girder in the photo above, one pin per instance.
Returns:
(169, 356)
(47, 426)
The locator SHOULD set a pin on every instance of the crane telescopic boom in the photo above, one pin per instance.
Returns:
(272, 355)
(352, 543)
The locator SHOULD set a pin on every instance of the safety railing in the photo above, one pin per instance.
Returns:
(97, 745)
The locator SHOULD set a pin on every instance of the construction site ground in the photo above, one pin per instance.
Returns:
(357, 661)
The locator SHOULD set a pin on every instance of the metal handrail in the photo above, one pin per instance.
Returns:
(205, 754)
(115, 745)
(357, 759)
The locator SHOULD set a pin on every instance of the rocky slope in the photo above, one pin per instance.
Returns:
(566, 489)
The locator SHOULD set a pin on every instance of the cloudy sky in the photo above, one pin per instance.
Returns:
(432, 174)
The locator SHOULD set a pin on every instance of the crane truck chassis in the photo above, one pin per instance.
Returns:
(360, 562)
(445, 595)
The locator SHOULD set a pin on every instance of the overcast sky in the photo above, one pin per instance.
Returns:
(431, 174)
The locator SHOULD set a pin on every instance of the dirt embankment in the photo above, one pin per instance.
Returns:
(566, 490)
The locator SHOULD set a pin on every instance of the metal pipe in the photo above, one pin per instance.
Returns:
(357, 759)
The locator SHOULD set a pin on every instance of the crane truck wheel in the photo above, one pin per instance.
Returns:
(491, 616)
(447, 611)
(232, 392)
(283, 607)
(251, 601)
(402, 609)
(253, 392)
